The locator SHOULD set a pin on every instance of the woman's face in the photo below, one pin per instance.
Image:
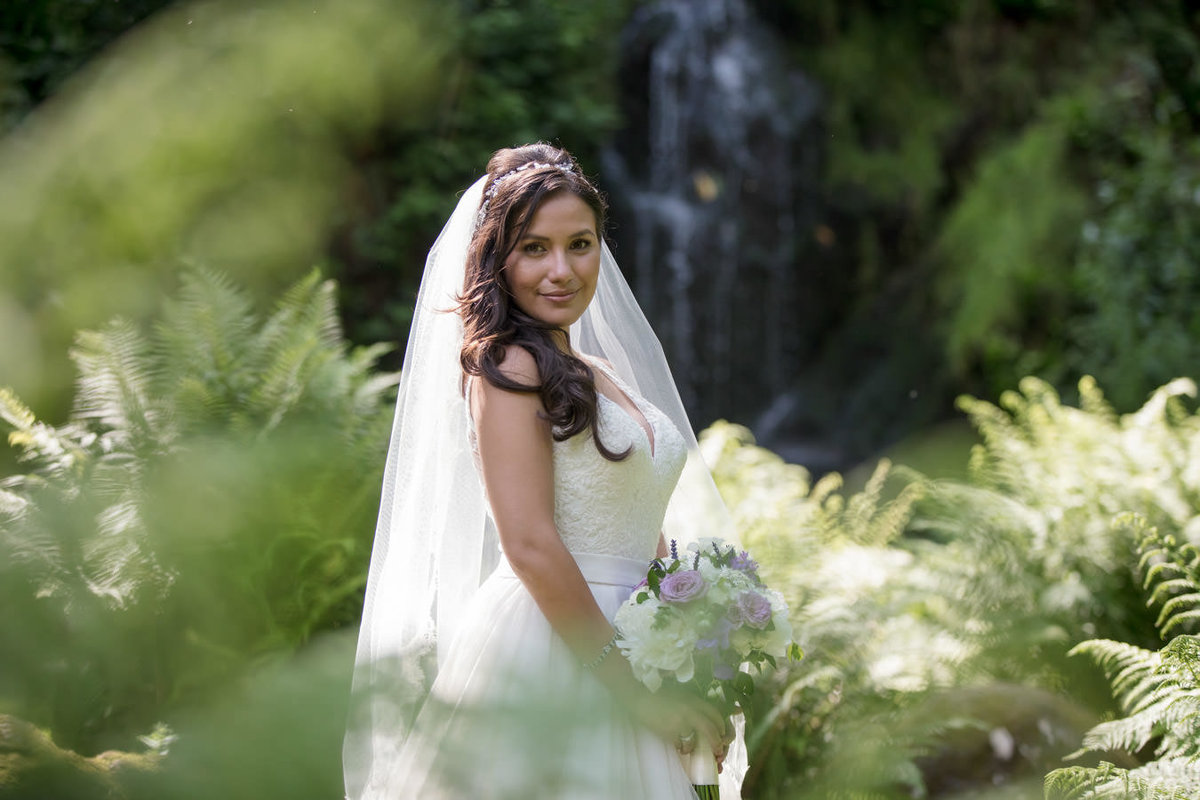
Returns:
(552, 271)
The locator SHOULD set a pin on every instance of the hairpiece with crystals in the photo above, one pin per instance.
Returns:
(491, 192)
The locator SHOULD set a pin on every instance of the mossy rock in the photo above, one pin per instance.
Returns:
(33, 767)
(1000, 734)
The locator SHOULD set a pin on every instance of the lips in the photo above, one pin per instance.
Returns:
(560, 297)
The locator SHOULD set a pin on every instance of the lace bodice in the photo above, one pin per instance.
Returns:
(617, 507)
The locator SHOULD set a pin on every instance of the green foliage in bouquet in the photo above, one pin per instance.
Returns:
(1158, 691)
(209, 503)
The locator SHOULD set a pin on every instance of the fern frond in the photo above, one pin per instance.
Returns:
(1169, 622)
(1167, 589)
(1133, 732)
(1172, 576)
(12, 505)
(1182, 654)
(14, 412)
(205, 328)
(114, 386)
(1092, 400)
(1126, 665)
(1168, 779)
(52, 450)
(1155, 409)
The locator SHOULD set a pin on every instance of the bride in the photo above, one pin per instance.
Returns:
(540, 457)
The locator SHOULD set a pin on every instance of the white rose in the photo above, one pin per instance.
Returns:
(654, 651)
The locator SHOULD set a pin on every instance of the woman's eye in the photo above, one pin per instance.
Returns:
(533, 248)
(581, 244)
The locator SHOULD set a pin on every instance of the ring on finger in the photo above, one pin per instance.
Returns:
(688, 739)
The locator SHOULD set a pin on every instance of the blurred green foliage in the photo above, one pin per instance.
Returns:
(209, 504)
(215, 131)
(938, 611)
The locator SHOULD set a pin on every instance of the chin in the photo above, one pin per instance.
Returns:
(562, 319)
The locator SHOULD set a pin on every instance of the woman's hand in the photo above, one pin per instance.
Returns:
(681, 717)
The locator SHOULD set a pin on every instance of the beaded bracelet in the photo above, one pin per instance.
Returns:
(603, 654)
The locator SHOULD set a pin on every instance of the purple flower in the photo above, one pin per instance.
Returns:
(721, 630)
(753, 609)
(743, 562)
(713, 646)
(722, 671)
(682, 586)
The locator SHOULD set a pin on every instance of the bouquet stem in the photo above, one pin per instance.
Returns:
(701, 769)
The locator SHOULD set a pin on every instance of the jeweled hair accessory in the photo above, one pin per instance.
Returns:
(567, 169)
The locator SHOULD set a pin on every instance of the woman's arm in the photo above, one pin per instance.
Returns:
(515, 457)
(516, 460)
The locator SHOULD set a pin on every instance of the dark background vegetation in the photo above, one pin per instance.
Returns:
(1006, 185)
(1008, 188)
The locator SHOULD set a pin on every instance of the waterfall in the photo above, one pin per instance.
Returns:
(714, 186)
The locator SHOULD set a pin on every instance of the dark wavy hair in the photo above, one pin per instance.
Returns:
(492, 321)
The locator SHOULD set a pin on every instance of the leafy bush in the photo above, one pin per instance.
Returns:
(1138, 270)
(208, 504)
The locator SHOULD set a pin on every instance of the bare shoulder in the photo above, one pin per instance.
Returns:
(509, 422)
(519, 365)
(592, 361)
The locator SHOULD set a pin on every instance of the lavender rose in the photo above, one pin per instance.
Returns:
(753, 609)
(682, 586)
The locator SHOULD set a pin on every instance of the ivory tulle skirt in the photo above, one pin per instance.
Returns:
(513, 715)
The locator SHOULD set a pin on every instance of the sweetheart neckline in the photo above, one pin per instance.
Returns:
(652, 444)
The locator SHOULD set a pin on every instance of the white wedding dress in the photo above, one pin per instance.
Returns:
(512, 714)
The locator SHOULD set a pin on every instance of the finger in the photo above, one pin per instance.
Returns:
(705, 727)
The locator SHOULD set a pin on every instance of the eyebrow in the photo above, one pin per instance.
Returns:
(584, 232)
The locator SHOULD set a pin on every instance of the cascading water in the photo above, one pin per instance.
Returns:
(714, 185)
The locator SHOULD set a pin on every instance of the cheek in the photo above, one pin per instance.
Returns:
(592, 270)
(516, 275)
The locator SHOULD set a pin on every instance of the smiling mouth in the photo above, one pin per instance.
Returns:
(560, 295)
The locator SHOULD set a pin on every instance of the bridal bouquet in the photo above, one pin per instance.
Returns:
(697, 618)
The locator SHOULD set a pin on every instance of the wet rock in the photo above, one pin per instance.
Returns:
(33, 767)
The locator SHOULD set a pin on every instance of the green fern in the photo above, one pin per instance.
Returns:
(1172, 578)
(210, 500)
(1159, 692)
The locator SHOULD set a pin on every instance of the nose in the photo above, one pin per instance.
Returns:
(559, 268)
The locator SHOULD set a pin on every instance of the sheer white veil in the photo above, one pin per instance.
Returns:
(434, 543)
